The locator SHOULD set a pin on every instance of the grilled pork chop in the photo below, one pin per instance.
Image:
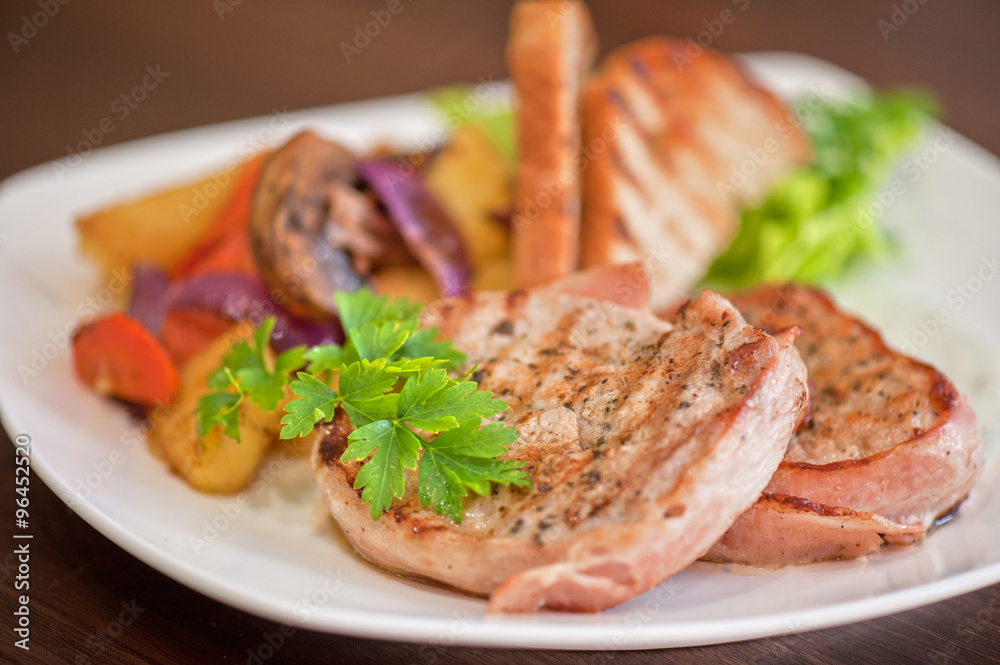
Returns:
(644, 441)
(673, 144)
(889, 447)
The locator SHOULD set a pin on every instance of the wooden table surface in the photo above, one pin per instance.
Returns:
(231, 59)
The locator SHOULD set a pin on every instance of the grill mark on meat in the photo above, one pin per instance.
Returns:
(675, 511)
(806, 504)
(515, 301)
(943, 392)
(888, 437)
(830, 338)
(505, 327)
(334, 437)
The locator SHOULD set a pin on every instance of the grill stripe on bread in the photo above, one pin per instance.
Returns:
(662, 134)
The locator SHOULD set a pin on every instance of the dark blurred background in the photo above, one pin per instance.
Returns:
(228, 59)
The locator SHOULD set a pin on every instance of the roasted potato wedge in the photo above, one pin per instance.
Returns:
(410, 282)
(219, 463)
(159, 229)
(471, 180)
(494, 275)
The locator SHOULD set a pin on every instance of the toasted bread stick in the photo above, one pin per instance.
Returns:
(551, 47)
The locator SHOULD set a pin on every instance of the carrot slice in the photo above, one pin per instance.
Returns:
(232, 254)
(115, 355)
(187, 331)
(233, 219)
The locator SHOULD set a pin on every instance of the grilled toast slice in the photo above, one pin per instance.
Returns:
(673, 145)
(889, 447)
(552, 45)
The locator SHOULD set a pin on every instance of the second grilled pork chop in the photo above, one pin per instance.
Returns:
(889, 447)
(644, 441)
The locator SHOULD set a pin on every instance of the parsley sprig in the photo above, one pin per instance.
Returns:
(244, 374)
(391, 379)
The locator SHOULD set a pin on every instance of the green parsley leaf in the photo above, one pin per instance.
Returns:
(463, 458)
(364, 389)
(314, 402)
(376, 340)
(219, 408)
(409, 365)
(240, 357)
(262, 337)
(439, 486)
(420, 402)
(244, 375)
(264, 389)
(422, 344)
(391, 379)
(325, 358)
(433, 403)
(361, 307)
(392, 447)
(292, 359)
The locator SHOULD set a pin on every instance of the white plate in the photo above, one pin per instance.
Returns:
(274, 553)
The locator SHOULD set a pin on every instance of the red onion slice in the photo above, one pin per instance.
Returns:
(426, 228)
(292, 331)
(148, 304)
(245, 298)
(236, 297)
